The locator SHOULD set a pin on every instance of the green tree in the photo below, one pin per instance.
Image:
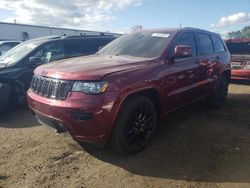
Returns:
(244, 33)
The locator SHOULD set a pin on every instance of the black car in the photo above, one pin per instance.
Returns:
(6, 45)
(17, 64)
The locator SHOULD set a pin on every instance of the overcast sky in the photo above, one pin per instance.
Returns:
(120, 15)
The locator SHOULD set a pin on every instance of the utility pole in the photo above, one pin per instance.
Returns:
(180, 25)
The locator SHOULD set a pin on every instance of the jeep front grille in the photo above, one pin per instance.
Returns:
(50, 87)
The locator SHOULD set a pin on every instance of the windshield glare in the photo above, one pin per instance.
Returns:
(138, 44)
(17, 53)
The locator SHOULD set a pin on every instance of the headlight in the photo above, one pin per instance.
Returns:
(90, 87)
(247, 67)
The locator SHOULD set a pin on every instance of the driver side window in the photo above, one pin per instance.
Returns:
(51, 52)
(187, 39)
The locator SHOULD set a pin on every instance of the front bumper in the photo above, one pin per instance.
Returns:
(240, 74)
(86, 117)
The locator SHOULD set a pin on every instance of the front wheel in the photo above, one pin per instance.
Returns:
(219, 96)
(135, 125)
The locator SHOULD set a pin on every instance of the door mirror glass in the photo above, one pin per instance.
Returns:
(182, 51)
(35, 60)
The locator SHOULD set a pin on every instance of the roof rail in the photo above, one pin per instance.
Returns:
(89, 35)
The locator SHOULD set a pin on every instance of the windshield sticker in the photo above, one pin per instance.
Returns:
(162, 35)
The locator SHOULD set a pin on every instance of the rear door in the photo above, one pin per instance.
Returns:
(207, 60)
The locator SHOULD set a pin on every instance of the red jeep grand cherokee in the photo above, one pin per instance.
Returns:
(117, 95)
(240, 59)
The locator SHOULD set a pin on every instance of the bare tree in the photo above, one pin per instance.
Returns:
(136, 28)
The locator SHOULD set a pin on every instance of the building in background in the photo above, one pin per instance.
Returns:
(22, 32)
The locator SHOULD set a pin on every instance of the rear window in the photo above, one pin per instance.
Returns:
(218, 45)
(205, 46)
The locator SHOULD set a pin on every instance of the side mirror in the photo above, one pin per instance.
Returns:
(35, 61)
(182, 51)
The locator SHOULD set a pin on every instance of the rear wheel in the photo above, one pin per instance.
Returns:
(5, 91)
(219, 97)
(135, 126)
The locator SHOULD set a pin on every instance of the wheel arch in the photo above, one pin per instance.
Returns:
(152, 93)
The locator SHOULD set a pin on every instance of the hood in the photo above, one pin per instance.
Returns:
(90, 67)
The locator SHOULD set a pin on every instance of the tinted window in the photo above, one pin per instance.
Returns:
(15, 54)
(139, 44)
(185, 39)
(218, 45)
(103, 42)
(90, 46)
(73, 48)
(81, 47)
(5, 47)
(205, 46)
(50, 52)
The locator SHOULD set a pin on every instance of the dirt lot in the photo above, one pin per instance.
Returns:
(195, 147)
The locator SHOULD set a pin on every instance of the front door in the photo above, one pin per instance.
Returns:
(182, 76)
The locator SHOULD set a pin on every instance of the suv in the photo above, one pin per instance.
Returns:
(17, 65)
(6, 45)
(117, 95)
(240, 59)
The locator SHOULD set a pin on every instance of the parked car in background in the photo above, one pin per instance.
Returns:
(17, 65)
(6, 45)
(240, 58)
(117, 95)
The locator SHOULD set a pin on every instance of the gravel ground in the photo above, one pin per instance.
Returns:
(195, 147)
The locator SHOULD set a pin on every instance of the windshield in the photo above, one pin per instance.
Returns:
(17, 53)
(139, 44)
(239, 47)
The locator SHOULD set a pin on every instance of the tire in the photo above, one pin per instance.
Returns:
(135, 125)
(219, 96)
(5, 91)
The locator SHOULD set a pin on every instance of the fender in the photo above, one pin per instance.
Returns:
(121, 99)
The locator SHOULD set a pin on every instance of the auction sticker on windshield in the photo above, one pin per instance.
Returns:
(162, 35)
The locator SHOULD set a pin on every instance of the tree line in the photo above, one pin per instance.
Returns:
(244, 33)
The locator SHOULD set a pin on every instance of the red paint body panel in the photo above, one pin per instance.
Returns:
(90, 67)
(177, 84)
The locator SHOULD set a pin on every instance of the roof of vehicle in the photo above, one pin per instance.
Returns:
(176, 30)
(63, 37)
